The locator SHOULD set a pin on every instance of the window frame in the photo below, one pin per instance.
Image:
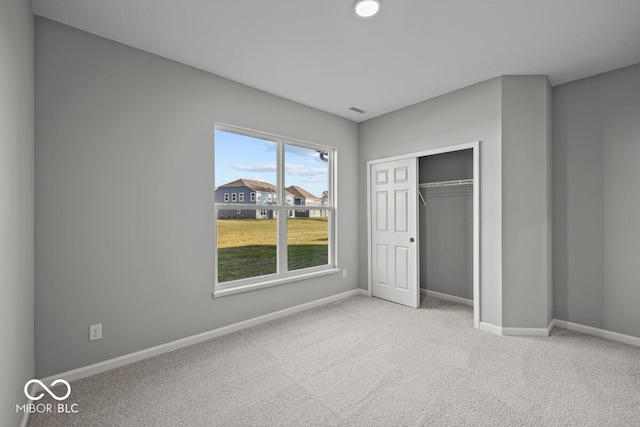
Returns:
(281, 213)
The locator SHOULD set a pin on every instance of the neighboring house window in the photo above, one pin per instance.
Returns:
(226, 197)
(276, 245)
(238, 211)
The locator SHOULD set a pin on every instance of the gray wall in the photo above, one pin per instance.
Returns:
(469, 114)
(449, 166)
(526, 203)
(596, 149)
(16, 206)
(446, 225)
(446, 241)
(124, 189)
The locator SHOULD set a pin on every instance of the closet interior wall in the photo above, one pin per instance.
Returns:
(446, 224)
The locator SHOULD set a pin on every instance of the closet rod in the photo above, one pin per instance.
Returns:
(446, 183)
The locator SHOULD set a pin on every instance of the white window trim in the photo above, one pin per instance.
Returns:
(241, 197)
(283, 276)
(221, 292)
(226, 197)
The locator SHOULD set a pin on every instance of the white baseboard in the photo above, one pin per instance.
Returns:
(601, 333)
(447, 297)
(542, 332)
(491, 328)
(525, 332)
(117, 362)
(517, 332)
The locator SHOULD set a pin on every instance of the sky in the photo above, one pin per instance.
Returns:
(239, 156)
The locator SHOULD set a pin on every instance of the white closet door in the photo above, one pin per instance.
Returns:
(394, 246)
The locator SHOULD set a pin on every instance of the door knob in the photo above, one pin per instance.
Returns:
(412, 240)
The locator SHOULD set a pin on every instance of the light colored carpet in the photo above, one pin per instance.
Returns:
(367, 362)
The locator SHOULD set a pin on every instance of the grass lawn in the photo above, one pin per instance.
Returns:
(247, 247)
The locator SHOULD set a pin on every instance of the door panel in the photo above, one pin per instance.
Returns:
(402, 267)
(382, 264)
(394, 270)
(382, 207)
(402, 211)
(382, 177)
(401, 175)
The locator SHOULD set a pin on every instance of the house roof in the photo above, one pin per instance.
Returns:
(301, 193)
(263, 187)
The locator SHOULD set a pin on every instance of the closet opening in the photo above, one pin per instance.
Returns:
(445, 189)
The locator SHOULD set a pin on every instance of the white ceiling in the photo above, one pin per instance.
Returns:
(319, 53)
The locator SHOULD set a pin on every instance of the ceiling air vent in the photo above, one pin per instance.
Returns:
(357, 110)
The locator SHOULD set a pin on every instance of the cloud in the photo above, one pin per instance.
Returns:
(302, 170)
(266, 167)
(270, 146)
(290, 168)
(301, 151)
(315, 180)
(317, 161)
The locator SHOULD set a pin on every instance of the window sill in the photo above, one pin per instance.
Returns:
(279, 281)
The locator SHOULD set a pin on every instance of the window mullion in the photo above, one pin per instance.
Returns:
(215, 239)
(282, 213)
(332, 200)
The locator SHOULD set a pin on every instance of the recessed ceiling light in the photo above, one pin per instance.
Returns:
(367, 8)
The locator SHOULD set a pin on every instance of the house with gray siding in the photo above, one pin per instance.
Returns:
(250, 192)
(303, 198)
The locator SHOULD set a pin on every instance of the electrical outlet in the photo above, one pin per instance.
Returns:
(344, 273)
(95, 332)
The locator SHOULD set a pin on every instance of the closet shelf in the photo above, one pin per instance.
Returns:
(445, 183)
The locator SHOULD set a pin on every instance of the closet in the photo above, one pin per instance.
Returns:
(423, 221)
(446, 225)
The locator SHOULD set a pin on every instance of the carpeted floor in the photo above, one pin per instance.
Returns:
(367, 362)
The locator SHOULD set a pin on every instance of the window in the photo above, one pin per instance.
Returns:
(280, 243)
(233, 197)
(226, 197)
